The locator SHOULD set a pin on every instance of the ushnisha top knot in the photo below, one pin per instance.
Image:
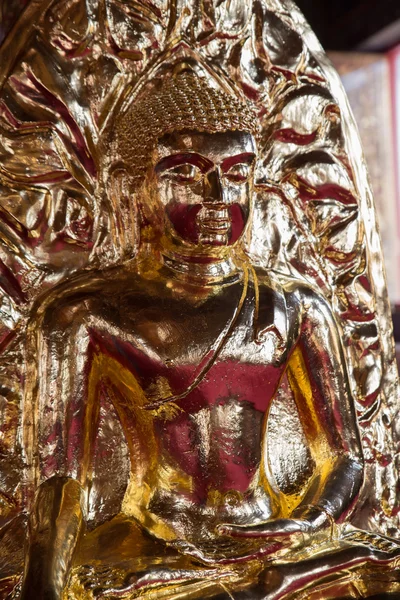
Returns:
(185, 101)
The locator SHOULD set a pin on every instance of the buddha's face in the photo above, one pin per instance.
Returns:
(204, 183)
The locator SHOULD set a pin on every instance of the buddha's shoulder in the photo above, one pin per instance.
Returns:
(91, 292)
(287, 289)
(286, 303)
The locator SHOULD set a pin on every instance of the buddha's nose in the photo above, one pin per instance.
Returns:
(214, 192)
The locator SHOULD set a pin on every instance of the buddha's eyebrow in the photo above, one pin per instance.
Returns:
(243, 158)
(184, 158)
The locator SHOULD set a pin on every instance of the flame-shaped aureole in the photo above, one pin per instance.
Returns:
(69, 70)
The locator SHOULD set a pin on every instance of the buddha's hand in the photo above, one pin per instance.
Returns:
(305, 521)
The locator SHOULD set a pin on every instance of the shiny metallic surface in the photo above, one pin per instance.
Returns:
(199, 395)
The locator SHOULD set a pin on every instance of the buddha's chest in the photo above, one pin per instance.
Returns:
(223, 349)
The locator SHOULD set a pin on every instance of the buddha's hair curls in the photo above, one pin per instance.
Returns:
(184, 102)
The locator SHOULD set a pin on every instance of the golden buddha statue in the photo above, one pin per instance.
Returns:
(190, 425)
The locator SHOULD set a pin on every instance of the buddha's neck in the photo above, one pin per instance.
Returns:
(202, 269)
(215, 270)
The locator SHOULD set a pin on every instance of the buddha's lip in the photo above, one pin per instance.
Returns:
(214, 219)
(215, 214)
(220, 226)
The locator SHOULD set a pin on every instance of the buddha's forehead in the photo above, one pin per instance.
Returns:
(214, 146)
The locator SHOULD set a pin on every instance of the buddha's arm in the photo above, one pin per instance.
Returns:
(62, 398)
(318, 375)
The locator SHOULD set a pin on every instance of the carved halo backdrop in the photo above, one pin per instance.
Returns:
(68, 68)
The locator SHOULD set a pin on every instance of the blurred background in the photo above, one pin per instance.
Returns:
(362, 38)
(348, 25)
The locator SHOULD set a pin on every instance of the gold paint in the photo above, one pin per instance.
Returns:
(132, 254)
(299, 380)
(321, 453)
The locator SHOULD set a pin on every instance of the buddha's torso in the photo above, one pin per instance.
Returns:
(197, 461)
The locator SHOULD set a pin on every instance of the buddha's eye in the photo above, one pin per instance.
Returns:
(238, 173)
(186, 173)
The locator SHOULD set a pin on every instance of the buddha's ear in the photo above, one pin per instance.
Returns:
(149, 207)
(124, 210)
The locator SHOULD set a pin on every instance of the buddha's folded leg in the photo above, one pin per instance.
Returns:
(361, 566)
(120, 560)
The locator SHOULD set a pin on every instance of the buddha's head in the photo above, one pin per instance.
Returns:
(191, 151)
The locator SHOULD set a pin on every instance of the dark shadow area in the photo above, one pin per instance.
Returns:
(345, 24)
